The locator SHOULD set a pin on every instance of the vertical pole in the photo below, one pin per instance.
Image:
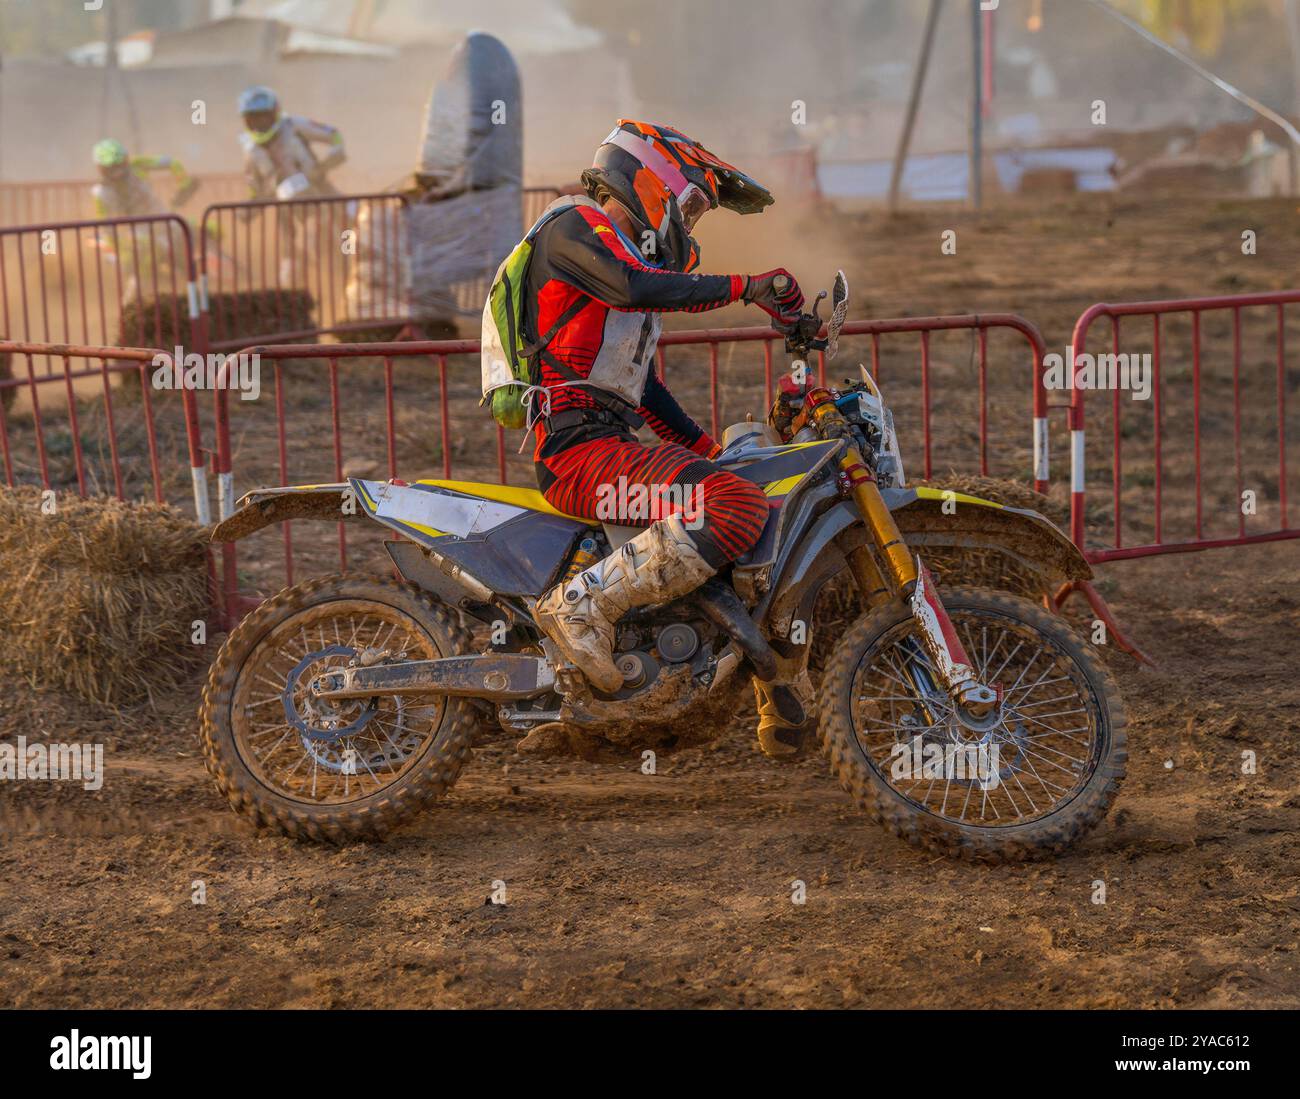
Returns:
(914, 102)
(1292, 16)
(110, 66)
(767, 373)
(1078, 440)
(713, 388)
(989, 58)
(925, 400)
(3, 39)
(1042, 439)
(976, 110)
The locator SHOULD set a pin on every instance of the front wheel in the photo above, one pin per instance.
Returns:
(1026, 781)
(339, 771)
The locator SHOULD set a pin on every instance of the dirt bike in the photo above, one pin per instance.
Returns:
(975, 723)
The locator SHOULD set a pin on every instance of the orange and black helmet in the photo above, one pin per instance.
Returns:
(665, 181)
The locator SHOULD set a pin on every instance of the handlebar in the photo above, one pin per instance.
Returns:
(801, 336)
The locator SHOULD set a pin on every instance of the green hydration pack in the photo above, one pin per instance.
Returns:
(508, 356)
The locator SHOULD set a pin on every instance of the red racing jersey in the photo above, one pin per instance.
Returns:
(581, 261)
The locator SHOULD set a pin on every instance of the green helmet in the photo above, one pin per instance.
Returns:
(109, 153)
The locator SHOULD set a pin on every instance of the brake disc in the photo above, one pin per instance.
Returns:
(320, 719)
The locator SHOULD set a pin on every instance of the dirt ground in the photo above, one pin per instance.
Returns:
(675, 889)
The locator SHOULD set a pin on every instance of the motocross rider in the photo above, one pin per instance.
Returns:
(599, 278)
(277, 149)
(123, 189)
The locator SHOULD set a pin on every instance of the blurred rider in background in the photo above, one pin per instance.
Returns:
(279, 161)
(123, 189)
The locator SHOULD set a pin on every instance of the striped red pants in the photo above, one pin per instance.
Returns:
(726, 513)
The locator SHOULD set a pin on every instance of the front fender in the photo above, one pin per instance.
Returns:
(1024, 536)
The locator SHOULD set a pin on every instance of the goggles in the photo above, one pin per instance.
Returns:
(262, 124)
(694, 204)
(692, 200)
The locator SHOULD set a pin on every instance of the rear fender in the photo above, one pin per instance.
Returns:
(265, 506)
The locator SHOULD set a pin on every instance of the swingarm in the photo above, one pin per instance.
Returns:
(498, 677)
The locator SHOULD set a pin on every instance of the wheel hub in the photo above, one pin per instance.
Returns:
(319, 719)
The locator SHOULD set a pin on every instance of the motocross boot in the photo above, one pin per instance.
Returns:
(657, 566)
(786, 723)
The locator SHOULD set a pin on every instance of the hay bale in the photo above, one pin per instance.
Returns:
(248, 314)
(162, 321)
(982, 569)
(252, 316)
(99, 597)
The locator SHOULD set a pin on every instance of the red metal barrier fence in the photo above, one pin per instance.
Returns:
(135, 288)
(91, 435)
(267, 271)
(125, 281)
(386, 406)
(348, 253)
(35, 202)
(104, 292)
(87, 454)
(1212, 375)
(287, 270)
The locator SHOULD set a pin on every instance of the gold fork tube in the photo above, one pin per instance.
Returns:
(897, 558)
(870, 583)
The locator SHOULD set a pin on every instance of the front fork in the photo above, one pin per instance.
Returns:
(908, 577)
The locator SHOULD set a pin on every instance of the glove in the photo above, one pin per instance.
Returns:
(784, 304)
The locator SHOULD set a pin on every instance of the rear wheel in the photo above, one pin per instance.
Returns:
(1024, 782)
(333, 771)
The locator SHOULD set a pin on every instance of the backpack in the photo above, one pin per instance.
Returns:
(507, 354)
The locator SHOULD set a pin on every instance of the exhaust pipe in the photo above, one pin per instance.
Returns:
(722, 606)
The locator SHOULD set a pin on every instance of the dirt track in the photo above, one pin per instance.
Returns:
(675, 889)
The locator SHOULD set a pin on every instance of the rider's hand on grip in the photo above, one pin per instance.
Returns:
(776, 293)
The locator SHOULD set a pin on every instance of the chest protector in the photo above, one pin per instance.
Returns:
(285, 155)
(618, 374)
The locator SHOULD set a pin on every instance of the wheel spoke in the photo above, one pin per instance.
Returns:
(304, 755)
(889, 709)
